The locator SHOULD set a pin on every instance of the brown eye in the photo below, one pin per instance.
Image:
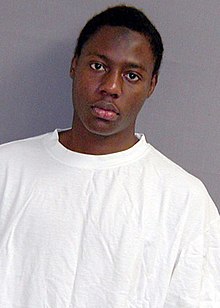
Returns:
(132, 76)
(97, 66)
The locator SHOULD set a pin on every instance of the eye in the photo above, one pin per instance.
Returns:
(97, 66)
(132, 76)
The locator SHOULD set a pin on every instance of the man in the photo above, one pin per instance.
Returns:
(94, 216)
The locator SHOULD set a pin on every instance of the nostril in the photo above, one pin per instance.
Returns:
(108, 93)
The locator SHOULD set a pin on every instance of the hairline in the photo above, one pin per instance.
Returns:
(137, 21)
(77, 55)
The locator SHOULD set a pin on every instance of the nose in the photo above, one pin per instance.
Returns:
(111, 84)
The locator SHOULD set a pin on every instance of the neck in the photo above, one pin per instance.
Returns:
(89, 143)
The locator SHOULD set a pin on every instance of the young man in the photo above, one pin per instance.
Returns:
(94, 216)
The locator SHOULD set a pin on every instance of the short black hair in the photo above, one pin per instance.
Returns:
(124, 16)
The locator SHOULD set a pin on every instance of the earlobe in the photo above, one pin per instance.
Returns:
(154, 81)
(73, 67)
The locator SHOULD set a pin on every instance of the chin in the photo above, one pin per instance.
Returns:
(102, 129)
(102, 133)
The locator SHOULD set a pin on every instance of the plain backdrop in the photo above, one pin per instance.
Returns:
(182, 117)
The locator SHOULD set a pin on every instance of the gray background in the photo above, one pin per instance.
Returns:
(181, 119)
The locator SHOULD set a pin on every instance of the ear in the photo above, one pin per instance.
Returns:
(153, 84)
(73, 67)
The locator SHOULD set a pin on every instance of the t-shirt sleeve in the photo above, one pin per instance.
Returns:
(195, 281)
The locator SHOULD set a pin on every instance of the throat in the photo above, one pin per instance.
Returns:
(95, 144)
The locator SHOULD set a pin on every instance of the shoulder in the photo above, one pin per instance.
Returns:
(171, 173)
(20, 149)
(176, 182)
(186, 195)
(23, 143)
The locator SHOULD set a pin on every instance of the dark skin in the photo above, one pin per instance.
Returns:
(112, 78)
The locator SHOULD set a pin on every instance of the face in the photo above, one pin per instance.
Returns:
(111, 80)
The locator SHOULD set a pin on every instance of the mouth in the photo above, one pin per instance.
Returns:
(105, 111)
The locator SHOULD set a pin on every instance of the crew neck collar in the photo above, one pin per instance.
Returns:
(80, 160)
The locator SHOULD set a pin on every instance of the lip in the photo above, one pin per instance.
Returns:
(108, 106)
(105, 111)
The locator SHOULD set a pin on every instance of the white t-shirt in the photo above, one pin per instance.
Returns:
(124, 230)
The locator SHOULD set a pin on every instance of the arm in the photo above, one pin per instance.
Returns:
(195, 282)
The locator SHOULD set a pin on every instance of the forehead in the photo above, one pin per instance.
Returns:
(119, 42)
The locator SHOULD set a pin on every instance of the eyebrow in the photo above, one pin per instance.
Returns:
(128, 64)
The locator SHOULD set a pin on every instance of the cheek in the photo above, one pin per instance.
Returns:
(80, 95)
(85, 88)
(137, 100)
(136, 107)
